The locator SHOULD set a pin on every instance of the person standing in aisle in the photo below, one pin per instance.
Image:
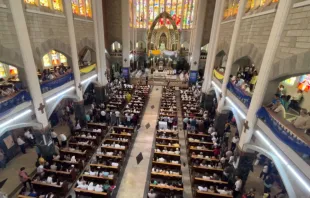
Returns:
(24, 178)
(21, 144)
(238, 185)
(54, 136)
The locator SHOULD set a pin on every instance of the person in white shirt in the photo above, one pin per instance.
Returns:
(224, 191)
(151, 194)
(54, 136)
(279, 109)
(238, 185)
(21, 144)
(264, 172)
(29, 137)
(117, 114)
(63, 139)
(234, 142)
(103, 114)
(302, 121)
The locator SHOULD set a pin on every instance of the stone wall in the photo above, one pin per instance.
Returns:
(208, 22)
(47, 31)
(112, 11)
(292, 57)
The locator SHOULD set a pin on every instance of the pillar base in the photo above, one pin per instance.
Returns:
(44, 142)
(100, 95)
(79, 111)
(220, 121)
(245, 164)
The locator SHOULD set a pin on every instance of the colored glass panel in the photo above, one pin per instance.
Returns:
(179, 13)
(162, 6)
(262, 2)
(30, 2)
(130, 13)
(145, 13)
(173, 8)
(2, 71)
(88, 8)
(82, 7)
(185, 13)
(151, 12)
(137, 13)
(168, 6)
(57, 5)
(44, 3)
(156, 8)
(75, 6)
(192, 14)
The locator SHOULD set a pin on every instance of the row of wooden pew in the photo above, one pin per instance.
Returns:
(206, 171)
(166, 174)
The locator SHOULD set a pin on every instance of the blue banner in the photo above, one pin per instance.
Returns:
(57, 82)
(240, 94)
(125, 72)
(7, 105)
(288, 138)
(193, 77)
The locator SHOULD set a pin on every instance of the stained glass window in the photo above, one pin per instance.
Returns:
(130, 13)
(75, 6)
(44, 3)
(88, 8)
(2, 70)
(57, 5)
(82, 7)
(192, 14)
(13, 70)
(145, 13)
(262, 2)
(34, 2)
(156, 8)
(54, 58)
(162, 6)
(168, 6)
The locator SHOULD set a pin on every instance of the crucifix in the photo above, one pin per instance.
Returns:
(80, 86)
(245, 126)
(41, 108)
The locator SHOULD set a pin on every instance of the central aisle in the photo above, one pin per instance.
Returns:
(135, 176)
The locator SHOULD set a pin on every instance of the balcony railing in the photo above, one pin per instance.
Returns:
(240, 94)
(87, 69)
(57, 82)
(295, 138)
(10, 102)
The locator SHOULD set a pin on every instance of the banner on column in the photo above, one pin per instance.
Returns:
(193, 76)
(125, 72)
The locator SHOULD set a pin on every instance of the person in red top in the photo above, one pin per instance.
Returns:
(24, 178)
(216, 151)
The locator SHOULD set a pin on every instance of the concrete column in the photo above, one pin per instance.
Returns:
(198, 34)
(212, 47)
(266, 67)
(28, 60)
(74, 52)
(232, 48)
(126, 33)
(100, 44)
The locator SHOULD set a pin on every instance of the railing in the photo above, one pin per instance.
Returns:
(10, 102)
(240, 94)
(57, 82)
(116, 54)
(218, 75)
(285, 131)
(87, 69)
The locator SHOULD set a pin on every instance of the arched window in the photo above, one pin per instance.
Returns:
(116, 47)
(54, 58)
(7, 71)
(82, 7)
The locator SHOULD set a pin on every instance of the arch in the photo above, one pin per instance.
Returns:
(10, 57)
(89, 82)
(86, 42)
(141, 45)
(172, 22)
(217, 93)
(83, 53)
(52, 107)
(279, 166)
(116, 46)
(52, 44)
(239, 120)
(251, 51)
(219, 59)
(33, 124)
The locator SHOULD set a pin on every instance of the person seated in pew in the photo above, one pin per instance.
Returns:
(53, 166)
(223, 191)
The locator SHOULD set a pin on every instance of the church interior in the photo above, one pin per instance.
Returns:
(154, 98)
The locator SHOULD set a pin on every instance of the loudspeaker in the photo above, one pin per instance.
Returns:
(220, 121)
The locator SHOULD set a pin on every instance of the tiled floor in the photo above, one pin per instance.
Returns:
(134, 180)
(23, 160)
